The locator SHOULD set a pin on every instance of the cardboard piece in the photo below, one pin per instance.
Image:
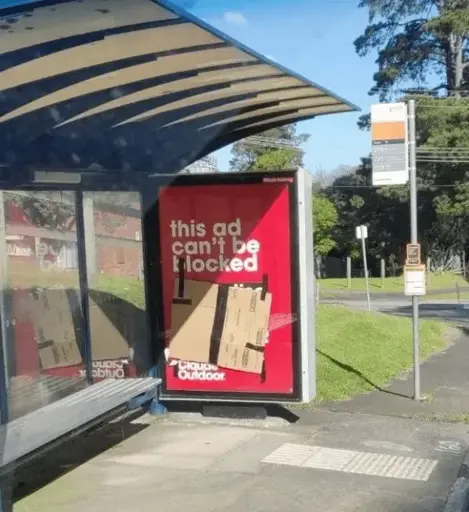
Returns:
(52, 318)
(220, 324)
(192, 321)
(245, 330)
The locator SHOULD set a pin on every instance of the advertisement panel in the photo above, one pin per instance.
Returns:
(229, 287)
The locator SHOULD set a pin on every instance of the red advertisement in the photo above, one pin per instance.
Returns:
(227, 291)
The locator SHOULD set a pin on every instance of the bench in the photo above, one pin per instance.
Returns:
(30, 434)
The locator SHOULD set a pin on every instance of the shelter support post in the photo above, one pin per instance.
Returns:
(84, 288)
(6, 493)
(4, 355)
(6, 498)
(153, 282)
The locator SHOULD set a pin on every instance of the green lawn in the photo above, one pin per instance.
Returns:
(23, 275)
(130, 290)
(390, 284)
(359, 351)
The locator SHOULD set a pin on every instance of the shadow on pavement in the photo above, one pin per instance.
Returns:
(73, 453)
(273, 410)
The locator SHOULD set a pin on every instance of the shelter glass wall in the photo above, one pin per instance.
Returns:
(114, 250)
(42, 321)
(73, 297)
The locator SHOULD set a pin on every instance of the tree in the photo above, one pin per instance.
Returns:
(385, 211)
(323, 179)
(443, 133)
(417, 40)
(443, 196)
(274, 159)
(246, 153)
(325, 218)
(55, 210)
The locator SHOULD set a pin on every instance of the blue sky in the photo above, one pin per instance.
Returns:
(314, 38)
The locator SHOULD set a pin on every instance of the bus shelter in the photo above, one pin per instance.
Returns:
(102, 103)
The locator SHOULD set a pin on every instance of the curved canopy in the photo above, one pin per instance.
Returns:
(135, 85)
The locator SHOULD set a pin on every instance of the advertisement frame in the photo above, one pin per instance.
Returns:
(154, 277)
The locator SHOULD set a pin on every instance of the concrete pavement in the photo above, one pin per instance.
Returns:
(332, 462)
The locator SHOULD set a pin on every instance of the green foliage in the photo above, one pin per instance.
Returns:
(443, 134)
(57, 214)
(416, 39)
(416, 42)
(56, 210)
(384, 211)
(325, 217)
(246, 154)
(275, 159)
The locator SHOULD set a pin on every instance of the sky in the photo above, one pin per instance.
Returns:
(315, 39)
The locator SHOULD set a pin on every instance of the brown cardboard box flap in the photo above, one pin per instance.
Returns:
(246, 317)
(219, 324)
(58, 355)
(52, 317)
(192, 321)
(243, 358)
(245, 330)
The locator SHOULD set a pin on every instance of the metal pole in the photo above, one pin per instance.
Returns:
(365, 266)
(349, 272)
(414, 240)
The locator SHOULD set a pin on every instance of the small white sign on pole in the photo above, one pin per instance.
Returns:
(359, 230)
(415, 280)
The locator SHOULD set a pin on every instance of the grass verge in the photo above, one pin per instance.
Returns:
(360, 351)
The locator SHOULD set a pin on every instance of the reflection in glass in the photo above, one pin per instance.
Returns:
(43, 320)
(119, 341)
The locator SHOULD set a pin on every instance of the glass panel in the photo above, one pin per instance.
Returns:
(119, 338)
(43, 320)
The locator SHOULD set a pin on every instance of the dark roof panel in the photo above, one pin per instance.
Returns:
(135, 84)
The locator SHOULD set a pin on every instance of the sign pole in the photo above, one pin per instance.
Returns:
(414, 240)
(365, 266)
(393, 159)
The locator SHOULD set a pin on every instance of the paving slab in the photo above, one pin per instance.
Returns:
(372, 463)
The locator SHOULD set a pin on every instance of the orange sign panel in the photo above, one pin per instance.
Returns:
(395, 130)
